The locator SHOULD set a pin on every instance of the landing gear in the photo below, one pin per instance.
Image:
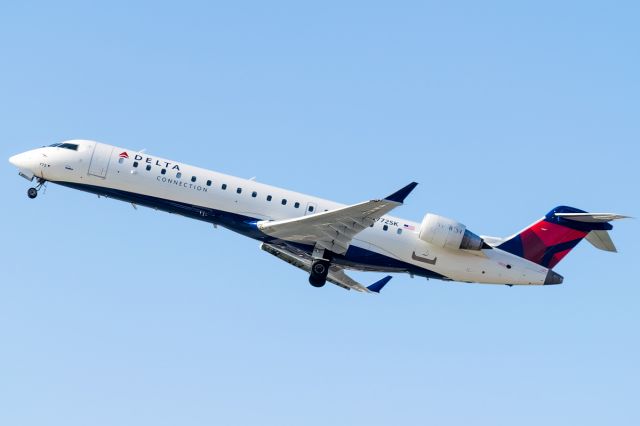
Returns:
(33, 192)
(319, 272)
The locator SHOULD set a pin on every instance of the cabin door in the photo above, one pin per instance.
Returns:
(100, 160)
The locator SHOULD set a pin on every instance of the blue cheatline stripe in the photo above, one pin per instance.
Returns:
(246, 225)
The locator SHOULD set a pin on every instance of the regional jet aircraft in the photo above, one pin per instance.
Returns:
(323, 238)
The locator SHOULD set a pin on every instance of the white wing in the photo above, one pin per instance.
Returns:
(334, 229)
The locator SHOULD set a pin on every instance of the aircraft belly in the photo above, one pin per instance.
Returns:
(371, 251)
(492, 268)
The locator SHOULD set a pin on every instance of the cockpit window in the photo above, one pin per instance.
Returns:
(71, 146)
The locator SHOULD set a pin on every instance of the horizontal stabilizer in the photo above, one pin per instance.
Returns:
(601, 240)
(591, 217)
(379, 285)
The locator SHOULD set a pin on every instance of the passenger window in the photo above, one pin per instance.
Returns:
(296, 205)
(120, 160)
(224, 186)
(163, 171)
(135, 164)
(284, 202)
(269, 197)
(208, 183)
(148, 167)
(178, 175)
(399, 231)
(254, 194)
(193, 178)
(239, 190)
(385, 228)
(310, 208)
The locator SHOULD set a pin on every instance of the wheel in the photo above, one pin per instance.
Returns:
(316, 282)
(319, 272)
(32, 193)
(319, 268)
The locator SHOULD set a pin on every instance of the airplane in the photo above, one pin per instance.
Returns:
(322, 237)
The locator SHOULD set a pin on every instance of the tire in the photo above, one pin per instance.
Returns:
(32, 193)
(316, 282)
(319, 272)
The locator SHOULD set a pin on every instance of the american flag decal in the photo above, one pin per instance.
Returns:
(124, 154)
(409, 227)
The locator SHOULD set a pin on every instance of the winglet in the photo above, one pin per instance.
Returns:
(401, 194)
(379, 285)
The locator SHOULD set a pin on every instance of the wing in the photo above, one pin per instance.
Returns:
(336, 275)
(333, 230)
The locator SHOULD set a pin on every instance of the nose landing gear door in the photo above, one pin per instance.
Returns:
(100, 160)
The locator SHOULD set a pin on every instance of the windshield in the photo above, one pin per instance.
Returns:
(71, 146)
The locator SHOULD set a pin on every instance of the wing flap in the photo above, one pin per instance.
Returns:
(332, 229)
(336, 275)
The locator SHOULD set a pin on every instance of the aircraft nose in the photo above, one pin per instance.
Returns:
(19, 160)
(25, 163)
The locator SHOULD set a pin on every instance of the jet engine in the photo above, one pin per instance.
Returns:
(444, 232)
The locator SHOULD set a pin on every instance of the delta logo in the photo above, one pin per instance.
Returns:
(149, 160)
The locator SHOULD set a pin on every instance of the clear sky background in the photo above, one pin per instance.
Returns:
(501, 110)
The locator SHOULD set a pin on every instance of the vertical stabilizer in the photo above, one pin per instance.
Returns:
(549, 240)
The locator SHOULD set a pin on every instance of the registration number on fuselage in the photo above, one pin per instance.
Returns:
(384, 221)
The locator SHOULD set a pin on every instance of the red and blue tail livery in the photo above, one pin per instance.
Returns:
(549, 240)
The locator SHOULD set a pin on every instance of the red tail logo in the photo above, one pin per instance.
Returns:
(124, 154)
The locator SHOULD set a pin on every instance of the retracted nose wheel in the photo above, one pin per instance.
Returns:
(319, 272)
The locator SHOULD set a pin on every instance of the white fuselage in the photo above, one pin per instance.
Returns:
(392, 244)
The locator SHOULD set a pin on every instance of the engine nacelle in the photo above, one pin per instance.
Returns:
(444, 232)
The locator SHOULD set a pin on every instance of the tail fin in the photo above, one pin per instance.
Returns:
(550, 239)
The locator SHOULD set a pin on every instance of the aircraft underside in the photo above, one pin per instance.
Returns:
(356, 258)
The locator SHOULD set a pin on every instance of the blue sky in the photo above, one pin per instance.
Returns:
(501, 110)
